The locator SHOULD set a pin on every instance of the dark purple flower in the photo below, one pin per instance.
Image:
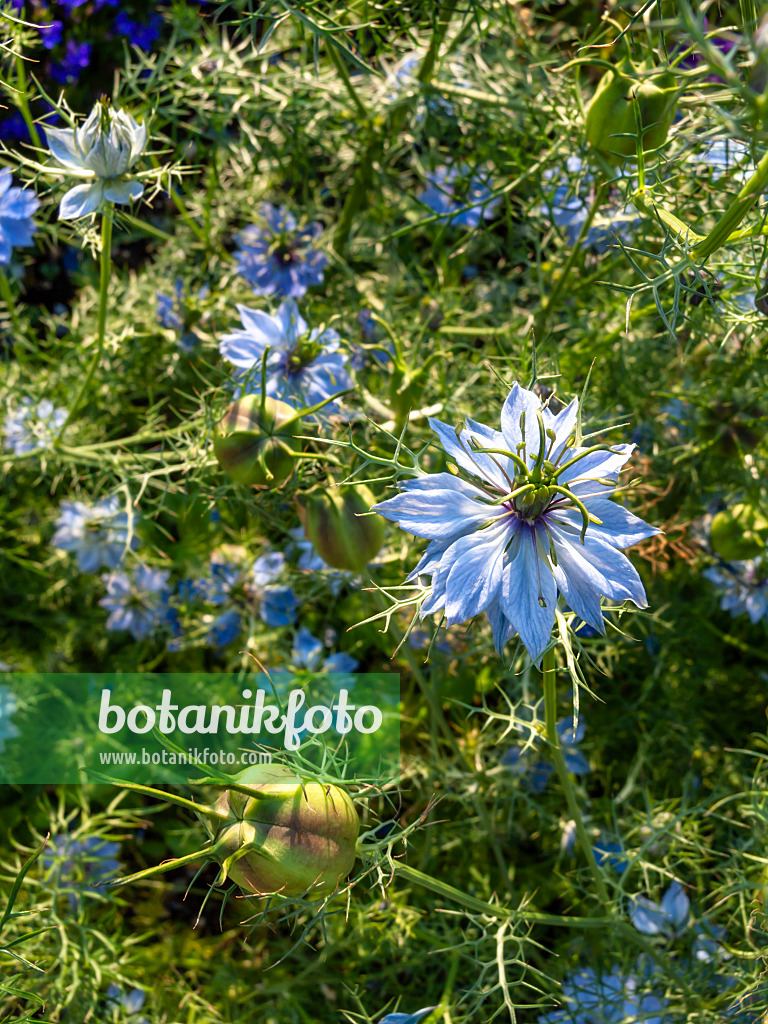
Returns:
(50, 34)
(77, 58)
(140, 34)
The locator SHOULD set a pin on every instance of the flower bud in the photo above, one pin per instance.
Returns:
(341, 532)
(254, 442)
(290, 836)
(611, 114)
(739, 533)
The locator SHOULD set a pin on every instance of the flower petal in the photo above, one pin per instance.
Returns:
(81, 200)
(475, 575)
(519, 403)
(61, 142)
(123, 191)
(594, 566)
(486, 466)
(619, 527)
(676, 904)
(526, 576)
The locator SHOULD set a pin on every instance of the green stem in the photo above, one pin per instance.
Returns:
(105, 264)
(178, 202)
(550, 718)
(23, 102)
(540, 322)
(13, 314)
(505, 913)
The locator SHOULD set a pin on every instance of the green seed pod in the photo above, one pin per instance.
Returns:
(611, 114)
(340, 531)
(254, 442)
(738, 533)
(288, 837)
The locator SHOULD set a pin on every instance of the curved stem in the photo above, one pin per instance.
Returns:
(550, 717)
(23, 101)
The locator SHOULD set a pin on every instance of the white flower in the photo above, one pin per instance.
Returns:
(104, 148)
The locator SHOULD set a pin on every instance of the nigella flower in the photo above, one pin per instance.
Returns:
(451, 189)
(30, 427)
(407, 1018)
(569, 206)
(78, 864)
(744, 585)
(612, 998)
(303, 367)
(278, 603)
(528, 519)
(16, 208)
(669, 918)
(179, 314)
(8, 706)
(130, 1002)
(104, 148)
(276, 257)
(534, 770)
(99, 536)
(138, 603)
(309, 653)
(140, 34)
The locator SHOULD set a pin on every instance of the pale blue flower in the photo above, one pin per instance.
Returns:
(8, 706)
(31, 428)
(744, 587)
(103, 149)
(534, 521)
(569, 205)
(226, 628)
(533, 769)
(451, 189)
(303, 367)
(99, 536)
(17, 205)
(611, 998)
(267, 568)
(137, 603)
(276, 257)
(669, 918)
(131, 1002)
(407, 1018)
(79, 864)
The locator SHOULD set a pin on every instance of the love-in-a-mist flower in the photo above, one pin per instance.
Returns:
(612, 998)
(744, 587)
(451, 189)
(276, 257)
(99, 536)
(669, 918)
(528, 517)
(31, 428)
(139, 602)
(303, 367)
(17, 206)
(103, 150)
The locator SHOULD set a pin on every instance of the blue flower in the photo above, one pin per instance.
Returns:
(177, 314)
(138, 603)
(608, 999)
(537, 522)
(278, 606)
(8, 706)
(569, 206)
(99, 536)
(80, 863)
(669, 918)
(140, 34)
(51, 34)
(225, 629)
(303, 367)
(310, 561)
(407, 1018)
(77, 57)
(308, 653)
(534, 770)
(268, 567)
(130, 1002)
(16, 208)
(453, 188)
(29, 428)
(745, 587)
(276, 257)
(608, 851)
